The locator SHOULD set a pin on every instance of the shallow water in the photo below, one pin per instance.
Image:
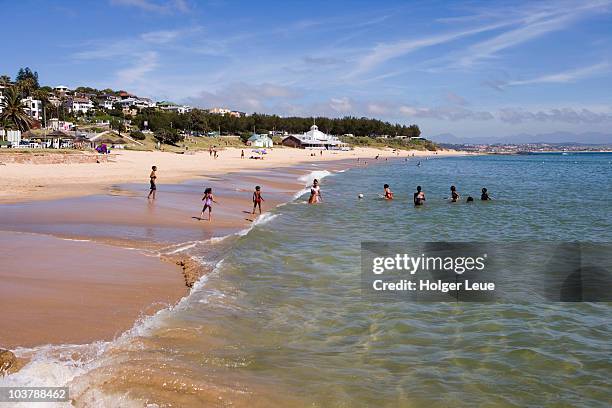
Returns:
(282, 322)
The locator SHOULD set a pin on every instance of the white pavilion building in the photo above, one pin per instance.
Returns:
(314, 139)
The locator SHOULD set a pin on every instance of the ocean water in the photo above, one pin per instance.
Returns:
(281, 320)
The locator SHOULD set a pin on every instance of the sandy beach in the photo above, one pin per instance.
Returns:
(82, 248)
(26, 182)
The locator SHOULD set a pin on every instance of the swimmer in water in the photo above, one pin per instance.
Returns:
(470, 199)
(484, 196)
(419, 197)
(388, 193)
(454, 194)
(315, 193)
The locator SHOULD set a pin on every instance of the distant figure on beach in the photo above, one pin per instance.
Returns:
(242, 154)
(152, 178)
(208, 199)
(321, 152)
(419, 197)
(470, 199)
(215, 153)
(388, 193)
(257, 199)
(454, 194)
(484, 196)
(210, 151)
(315, 193)
(377, 156)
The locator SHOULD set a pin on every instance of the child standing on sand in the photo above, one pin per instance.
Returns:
(257, 199)
(208, 201)
(152, 178)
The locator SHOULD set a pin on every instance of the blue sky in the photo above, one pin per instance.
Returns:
(467, 68)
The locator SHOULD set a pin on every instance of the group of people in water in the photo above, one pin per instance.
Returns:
(315, 195)
(419, 196)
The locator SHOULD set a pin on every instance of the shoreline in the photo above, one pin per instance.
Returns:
(44, 285)
(34, 182)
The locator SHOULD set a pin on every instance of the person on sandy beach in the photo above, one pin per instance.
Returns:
(454, 194)
(208, 199)
(152, 178)
(419, 197)
(242, 154)
(257, 199)
(388, 193)
(485, 195)
(315, 193)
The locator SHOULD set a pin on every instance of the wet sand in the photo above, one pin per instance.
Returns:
(59, 291)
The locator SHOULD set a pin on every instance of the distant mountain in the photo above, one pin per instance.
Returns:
(554, 137)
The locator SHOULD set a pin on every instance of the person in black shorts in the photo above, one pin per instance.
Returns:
(152, 178)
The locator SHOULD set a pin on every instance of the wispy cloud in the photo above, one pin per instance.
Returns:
(535, 23)
(155, 6)
(565, 76)
(145, 63)
(384, 52)
(564, 115)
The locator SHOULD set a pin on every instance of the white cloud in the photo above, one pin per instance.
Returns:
(155, 6)
(452, 113)
(566, 115)
(565, 76)
(384, 52)
(534, 23)
(145, 63)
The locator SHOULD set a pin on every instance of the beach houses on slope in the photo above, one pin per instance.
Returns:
(314, 139)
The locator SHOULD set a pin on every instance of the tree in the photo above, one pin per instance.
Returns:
(13, 111)
(25, 74)
(5, 80)
(168, 136)
(138, 135)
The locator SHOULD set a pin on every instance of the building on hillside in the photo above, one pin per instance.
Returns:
(169, 106)
(33, 107)
(56, 124)
(314, 139)
(79, 105)
(260, 141)
(237, 114)
(108, 101)
(61, 89)
(219, 111)
(54, 101)
(125, 95)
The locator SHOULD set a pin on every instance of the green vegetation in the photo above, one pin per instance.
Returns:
(405, 144)
(171, 128)
(13, 113)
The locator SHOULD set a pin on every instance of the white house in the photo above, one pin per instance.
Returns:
(176, 108)
(219, 111)
(33, 107)
(260, 141)
(62, 89)
(314, 139)
(82, 105)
